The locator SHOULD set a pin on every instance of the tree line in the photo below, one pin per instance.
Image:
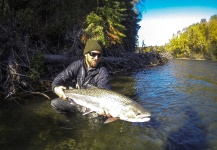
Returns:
(198, 41)
(29, 29)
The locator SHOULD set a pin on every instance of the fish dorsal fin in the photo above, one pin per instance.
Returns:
(111, 119)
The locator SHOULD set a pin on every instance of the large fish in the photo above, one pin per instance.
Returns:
(109, 102)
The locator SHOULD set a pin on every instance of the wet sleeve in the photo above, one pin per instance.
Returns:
(103, 80)
(66, 75)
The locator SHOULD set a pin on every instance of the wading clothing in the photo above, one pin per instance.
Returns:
(77, 75)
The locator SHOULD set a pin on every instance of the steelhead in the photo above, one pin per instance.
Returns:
(103, 101)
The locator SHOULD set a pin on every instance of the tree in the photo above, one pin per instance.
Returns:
(105, 23)
(213, 36)
(31, 28)
(197, 40)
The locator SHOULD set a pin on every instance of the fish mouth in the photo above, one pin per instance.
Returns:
(146, 119)
(139, 119)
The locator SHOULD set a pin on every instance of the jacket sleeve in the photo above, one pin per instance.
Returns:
(103, 79)
(67, 74)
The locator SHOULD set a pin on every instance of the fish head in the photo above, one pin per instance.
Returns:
(137, 114)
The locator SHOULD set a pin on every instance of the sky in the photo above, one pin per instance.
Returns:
(163, 18)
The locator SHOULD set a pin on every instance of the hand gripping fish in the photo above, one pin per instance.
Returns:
(103, 101)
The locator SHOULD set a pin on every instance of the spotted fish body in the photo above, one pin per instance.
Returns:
(104, 101)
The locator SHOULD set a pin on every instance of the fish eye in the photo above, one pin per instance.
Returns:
(138, 114)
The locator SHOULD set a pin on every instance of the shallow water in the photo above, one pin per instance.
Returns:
(182, 96)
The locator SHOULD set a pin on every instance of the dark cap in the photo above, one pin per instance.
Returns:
(92, 45)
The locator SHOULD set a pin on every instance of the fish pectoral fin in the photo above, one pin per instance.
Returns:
(87, 112)
(111, 119)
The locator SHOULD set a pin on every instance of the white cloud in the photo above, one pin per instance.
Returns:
(158, 26)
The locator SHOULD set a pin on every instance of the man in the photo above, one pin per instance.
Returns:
(84, 73)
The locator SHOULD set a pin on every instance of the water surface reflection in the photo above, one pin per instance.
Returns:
(181, 96)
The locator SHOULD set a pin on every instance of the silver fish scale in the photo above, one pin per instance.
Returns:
(109, 102)
(103, 95)
(105, 99)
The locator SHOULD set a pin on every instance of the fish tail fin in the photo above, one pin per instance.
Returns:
(87, 112)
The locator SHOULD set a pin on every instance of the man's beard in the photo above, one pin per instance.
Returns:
(92, 63)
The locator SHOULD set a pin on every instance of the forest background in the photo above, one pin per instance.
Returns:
(197, 41)
(40, 38)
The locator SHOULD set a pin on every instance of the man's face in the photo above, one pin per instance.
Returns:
(93, 58)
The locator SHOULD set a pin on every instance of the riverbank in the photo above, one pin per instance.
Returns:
(116, 64)
(135, 61)
(51, 65)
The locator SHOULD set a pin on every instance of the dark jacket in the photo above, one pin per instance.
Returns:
(78, 76)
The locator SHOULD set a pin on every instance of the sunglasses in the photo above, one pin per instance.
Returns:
(94, 54)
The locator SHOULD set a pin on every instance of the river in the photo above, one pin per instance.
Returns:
(181, 95)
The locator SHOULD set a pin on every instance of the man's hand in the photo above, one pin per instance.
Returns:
(59, 91)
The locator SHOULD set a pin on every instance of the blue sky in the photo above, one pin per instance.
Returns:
(163, 18)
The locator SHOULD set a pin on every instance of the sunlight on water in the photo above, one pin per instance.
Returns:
(181, 96)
